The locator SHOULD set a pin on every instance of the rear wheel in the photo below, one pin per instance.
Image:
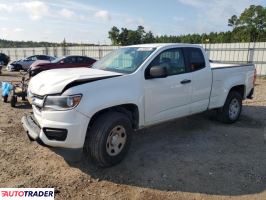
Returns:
(231, 110)
(108, 139)
(13, 101)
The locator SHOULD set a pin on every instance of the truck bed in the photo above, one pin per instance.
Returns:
(223, 65)
(227, 75)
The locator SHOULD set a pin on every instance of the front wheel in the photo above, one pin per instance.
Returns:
(231, 110)
(109, 138)
(8, 68)
(5, 98)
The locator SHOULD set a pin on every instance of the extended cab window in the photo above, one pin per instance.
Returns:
(195, 58)
(172, 60)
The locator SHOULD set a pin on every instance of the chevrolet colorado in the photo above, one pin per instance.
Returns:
(96, 109)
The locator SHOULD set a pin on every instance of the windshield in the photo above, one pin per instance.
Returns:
(56, 60)
(124, 60)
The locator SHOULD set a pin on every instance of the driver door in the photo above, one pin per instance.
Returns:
(168, 98)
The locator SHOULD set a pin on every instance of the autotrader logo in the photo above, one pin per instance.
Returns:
(27, 193)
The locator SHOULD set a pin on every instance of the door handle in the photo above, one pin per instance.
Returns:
(186, 81)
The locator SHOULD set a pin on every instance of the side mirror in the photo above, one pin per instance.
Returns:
(158, 72)
(62, 62)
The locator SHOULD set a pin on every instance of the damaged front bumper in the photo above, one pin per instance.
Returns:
(33, 131)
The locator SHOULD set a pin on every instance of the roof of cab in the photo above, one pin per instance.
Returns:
(156, 45)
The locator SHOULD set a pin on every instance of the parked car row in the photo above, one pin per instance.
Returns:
(24, 64)
(38, 63)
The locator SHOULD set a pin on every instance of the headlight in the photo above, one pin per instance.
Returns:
(29, 96)
(61, 102)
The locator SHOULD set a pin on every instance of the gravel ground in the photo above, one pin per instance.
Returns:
(195, 157)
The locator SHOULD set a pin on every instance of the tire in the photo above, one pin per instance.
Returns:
(232, 108)
(23, 96)
(13, 101)
(108, 139)
(5, 98)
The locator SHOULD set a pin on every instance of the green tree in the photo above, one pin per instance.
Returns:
(148, 38)
(251, 24)
(233, 21)
(128, 37)
(123, 37)
(114, 35)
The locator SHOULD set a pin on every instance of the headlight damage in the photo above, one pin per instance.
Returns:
(61, 102)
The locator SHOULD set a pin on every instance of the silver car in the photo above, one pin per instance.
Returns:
(25, 63)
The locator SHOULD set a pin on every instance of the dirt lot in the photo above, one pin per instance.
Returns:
(190, 158)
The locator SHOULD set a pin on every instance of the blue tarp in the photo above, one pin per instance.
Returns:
(6, 88)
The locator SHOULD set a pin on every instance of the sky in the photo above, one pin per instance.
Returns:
(88, 21)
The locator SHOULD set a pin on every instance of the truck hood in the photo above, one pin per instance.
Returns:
(57, 80)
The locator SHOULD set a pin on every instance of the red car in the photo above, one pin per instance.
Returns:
(64, 62)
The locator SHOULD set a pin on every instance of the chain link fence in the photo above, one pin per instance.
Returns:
(225, 52)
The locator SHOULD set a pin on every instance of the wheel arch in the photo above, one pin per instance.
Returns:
(238, 88)
(130, 110)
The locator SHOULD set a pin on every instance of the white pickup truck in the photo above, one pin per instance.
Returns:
(96, 109)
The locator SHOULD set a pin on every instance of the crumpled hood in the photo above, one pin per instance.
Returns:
(54, 81)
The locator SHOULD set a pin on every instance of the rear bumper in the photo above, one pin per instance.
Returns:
(34, 131)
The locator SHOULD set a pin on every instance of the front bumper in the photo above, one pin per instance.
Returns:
(66, 129)
(10, 67)
(33, 131)
(31, 127)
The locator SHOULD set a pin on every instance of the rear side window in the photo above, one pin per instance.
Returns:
(70, 60)
(31, 58)
(84, 60)
(81, 60)
(195, 58)
(43, 58)
(90, 60)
